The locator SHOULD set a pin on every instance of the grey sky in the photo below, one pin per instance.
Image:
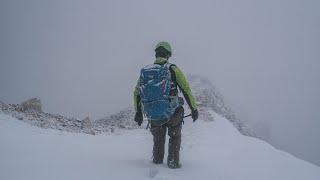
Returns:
(83, 57)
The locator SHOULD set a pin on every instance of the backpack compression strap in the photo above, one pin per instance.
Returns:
(173, 79)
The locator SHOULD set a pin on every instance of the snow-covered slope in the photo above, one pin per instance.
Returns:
(209, 98)
(210, 150)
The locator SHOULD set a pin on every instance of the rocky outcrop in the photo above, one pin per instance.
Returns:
(86, 123)
(30, 111)
(87, 126)
(209, 98)
(33, 104)
(120, 120)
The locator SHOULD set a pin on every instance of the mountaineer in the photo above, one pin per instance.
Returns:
(156, 96)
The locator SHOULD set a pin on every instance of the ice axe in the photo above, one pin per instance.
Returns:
(187, 116)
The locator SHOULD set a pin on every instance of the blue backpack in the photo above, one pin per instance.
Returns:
(154, 88)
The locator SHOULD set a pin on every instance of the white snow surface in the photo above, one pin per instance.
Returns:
(210, 150)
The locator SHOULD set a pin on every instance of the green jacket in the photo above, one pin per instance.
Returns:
(181, 82)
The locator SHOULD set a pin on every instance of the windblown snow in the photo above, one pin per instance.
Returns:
(210, 150)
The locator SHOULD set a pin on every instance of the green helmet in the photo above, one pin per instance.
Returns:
(164, 45)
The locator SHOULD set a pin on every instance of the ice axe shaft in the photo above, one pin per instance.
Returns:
(187, 115)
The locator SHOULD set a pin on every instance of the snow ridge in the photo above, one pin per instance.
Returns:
(207, 97)
(43, 119)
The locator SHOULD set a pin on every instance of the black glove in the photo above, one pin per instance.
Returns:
(194, 114)
(138, 118)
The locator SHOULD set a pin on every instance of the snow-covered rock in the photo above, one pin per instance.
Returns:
(209, 98)
(120, 120)
(33, 104)
(86, 123)
(87, 126)
(42, 119)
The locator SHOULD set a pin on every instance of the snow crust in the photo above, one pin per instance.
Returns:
(210, 150)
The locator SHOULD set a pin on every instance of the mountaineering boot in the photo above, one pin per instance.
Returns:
(159, 138)
(174, 165)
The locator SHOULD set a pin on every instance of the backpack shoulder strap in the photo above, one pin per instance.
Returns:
(173, 75)
(169, 64)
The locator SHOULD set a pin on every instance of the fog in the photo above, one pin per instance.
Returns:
(82, 58)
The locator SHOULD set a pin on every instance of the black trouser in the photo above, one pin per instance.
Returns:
(159, 131)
